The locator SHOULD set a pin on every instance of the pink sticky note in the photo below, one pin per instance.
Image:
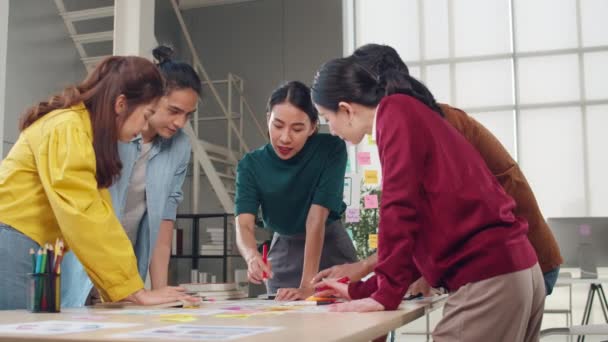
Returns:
(371, 201)
(88, 317)
(584, 230)
(233, 308)
(363, 158)
(352, 215)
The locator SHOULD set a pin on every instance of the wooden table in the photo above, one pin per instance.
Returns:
(295, 326)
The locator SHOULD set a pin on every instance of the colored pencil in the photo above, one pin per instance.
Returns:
(38, 261)
(51, 258)
(43, 264)
(44, 278)
(33, 256)
(37, 281)
(59, 254)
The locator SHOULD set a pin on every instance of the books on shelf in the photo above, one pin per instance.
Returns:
(210, 249)
(212, 246)
(213, 242)
(177, 242)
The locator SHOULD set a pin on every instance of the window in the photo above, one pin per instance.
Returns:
(533, 72)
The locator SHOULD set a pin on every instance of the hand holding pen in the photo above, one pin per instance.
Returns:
(333, 287)
(258, 268)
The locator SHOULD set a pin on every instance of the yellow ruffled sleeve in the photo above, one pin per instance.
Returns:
(66, 163)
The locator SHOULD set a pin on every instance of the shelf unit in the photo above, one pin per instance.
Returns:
(194, 255)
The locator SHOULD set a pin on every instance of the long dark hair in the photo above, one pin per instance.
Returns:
(178, 75)
(346, 79)
(297, 94)
(136, 78)
(378, 58)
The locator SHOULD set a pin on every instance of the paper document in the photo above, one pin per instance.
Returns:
(58, 327)
(197, 332)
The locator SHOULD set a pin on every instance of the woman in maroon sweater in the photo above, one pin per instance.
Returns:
(442, 212)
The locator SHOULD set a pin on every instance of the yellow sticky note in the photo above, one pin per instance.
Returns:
(370, 140)
(232, 315)
(177, 318)
(371, 177)
(279, 308)
(372, 240)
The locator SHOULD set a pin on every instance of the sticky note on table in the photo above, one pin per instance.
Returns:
(371, 201)
(177, 318)
(364, 158)
(372, 240)
(88, 317)
(371, 177)
(233, 315)
(352, 215)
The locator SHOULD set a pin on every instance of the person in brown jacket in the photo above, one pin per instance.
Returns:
(382, 57)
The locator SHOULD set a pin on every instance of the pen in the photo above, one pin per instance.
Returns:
(265, 258)
(343, 280)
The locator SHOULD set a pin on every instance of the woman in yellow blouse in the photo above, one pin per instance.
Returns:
(53, 183)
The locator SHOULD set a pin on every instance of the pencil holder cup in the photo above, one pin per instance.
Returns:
(43, 292)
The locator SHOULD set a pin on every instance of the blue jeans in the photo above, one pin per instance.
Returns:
(550, 279)
(15, 264)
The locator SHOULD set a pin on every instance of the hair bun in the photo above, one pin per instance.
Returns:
(162, 54)
(391, 62)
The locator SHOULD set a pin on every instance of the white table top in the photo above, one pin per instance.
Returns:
(295, 326)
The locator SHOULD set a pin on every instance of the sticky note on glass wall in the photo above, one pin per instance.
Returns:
(370, 140)
(348, 170)
(364, 158)
(371, 177)
(371, 201)
(352, 215)
(372, 241)
(584, 230)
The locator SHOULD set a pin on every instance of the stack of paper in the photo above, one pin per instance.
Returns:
(213, 242)
(216, 291)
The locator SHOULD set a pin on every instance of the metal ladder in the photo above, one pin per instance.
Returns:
(217, 162)
(83, 40)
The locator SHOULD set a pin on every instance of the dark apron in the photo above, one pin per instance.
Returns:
(287, 255)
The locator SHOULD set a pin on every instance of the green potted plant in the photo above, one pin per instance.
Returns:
(368, 223)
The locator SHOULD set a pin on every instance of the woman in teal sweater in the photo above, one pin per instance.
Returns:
(298, 180)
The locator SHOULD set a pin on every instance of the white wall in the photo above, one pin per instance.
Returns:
(41, 60)
(166, 27)
(266, 43)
